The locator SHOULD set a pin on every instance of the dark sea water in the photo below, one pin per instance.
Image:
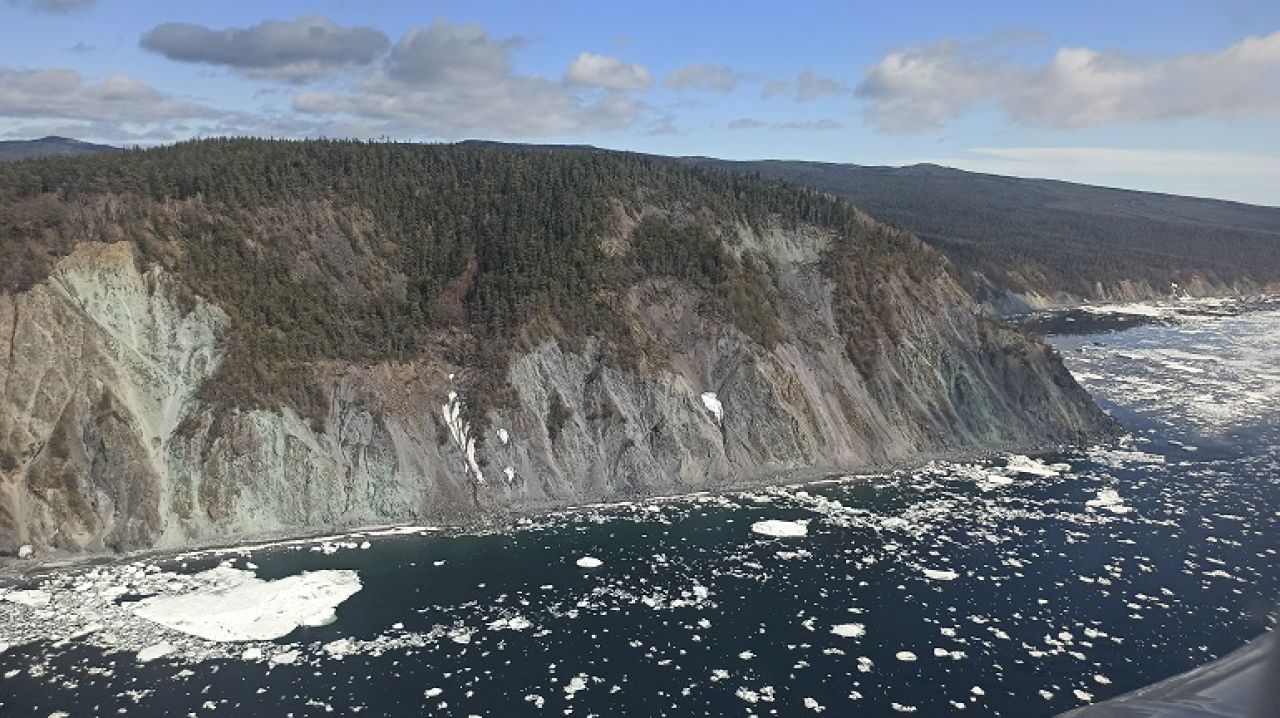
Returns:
(1023, 586)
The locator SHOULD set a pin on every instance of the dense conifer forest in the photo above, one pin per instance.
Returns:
(1048, 236)
(349, 251)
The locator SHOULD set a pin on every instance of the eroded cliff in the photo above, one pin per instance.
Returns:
(237, 338)
(106, 445)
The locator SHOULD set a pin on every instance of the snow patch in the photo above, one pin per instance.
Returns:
(460, 430)
(712, 402)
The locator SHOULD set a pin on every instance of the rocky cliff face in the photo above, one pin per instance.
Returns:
(105, 444)
(1006, 302)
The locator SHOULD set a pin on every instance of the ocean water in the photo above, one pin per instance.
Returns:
(1020, 586)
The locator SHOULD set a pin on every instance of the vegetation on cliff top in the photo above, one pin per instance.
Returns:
(1048, 236)
(351, 251)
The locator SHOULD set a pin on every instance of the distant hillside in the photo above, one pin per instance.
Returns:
(1053, 241)
(11, 150)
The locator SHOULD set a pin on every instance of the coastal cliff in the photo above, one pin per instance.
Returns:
(794, 345)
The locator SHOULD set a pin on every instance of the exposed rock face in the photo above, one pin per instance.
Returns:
(105, 445)
(1005, 302)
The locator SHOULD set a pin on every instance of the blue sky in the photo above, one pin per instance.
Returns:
(1170, 96)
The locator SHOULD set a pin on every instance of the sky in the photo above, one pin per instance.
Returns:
(1172, 96)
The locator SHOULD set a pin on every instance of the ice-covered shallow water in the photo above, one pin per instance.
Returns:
(1018, 587)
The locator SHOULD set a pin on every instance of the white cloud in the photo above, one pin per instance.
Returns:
(294, 50)
(593, 70)
(63, 94)
(713, 78)
(807, 86)
(921, 89)
(452, 81)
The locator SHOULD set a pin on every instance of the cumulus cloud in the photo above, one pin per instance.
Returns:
(63, 94)
(807, 86)
(454, 81)
(921, 89)
(295, 50)
(714, 78)
(54, 7)
(591, 70)
(120, 108)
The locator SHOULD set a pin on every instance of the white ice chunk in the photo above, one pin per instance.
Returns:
(937, 575)
(589, 562)
(285, 659)
(1035, 467)
(1110, 500)
(154, 651)
(849, 630)
(33, 598)
(238, 606)
(781, 529)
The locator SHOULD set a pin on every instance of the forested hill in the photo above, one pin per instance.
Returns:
(354, 251)
(228, 337)
(11, 150)
(1051, 238)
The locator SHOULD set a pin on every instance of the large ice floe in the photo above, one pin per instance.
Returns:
(230, 604)
(781, 529)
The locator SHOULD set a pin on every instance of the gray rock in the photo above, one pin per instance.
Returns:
(105, 445)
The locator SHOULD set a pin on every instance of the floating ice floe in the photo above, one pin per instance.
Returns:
(1109, 499)
(154, 651)
(849, 630)
(33, 598)
(940, 575)
(905, 656)
(781, 529)
(228, 604)
(510, 623)
(1020, 464)
(589, 562)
